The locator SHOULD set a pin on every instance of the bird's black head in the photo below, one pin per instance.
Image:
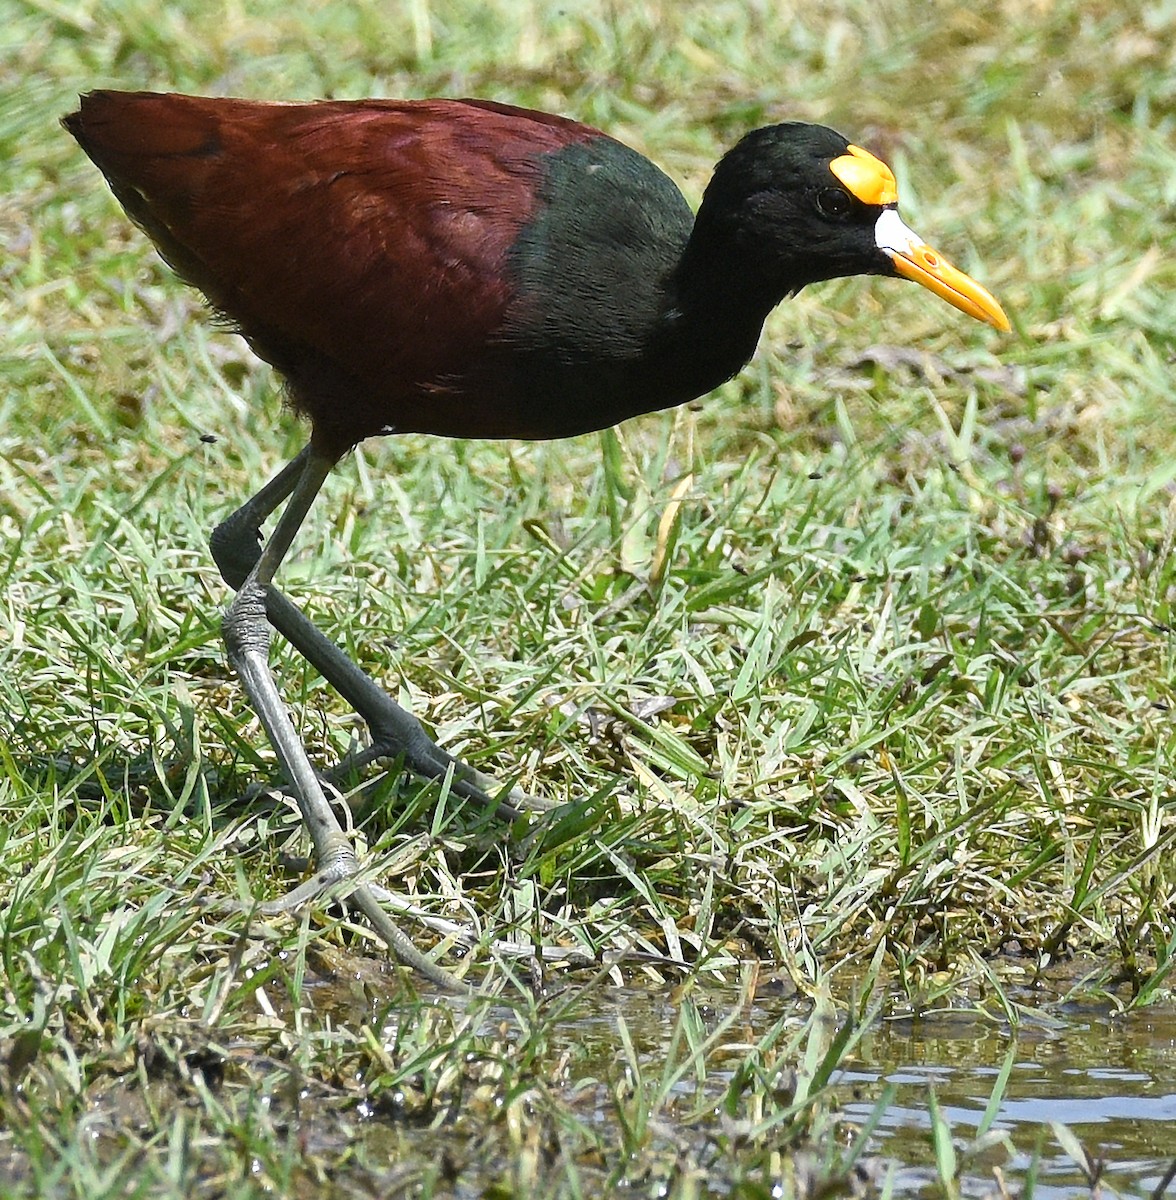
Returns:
(777, 197)
(793, 204)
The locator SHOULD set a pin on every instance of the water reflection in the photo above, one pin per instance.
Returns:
(1111, 1081)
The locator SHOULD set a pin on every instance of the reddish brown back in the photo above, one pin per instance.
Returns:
(360, 246)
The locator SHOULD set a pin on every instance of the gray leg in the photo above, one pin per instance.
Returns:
(394, 731)
(247, 635)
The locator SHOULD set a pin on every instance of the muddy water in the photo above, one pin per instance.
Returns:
(1111, 1080)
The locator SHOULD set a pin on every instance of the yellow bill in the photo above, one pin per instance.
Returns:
(914, 259)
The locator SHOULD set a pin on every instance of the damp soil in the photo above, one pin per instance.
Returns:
(1108, 1078)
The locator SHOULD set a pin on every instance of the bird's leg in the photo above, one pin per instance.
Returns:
(394, 731)
(247, 636)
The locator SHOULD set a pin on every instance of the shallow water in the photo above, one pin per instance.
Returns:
(1111, 1080)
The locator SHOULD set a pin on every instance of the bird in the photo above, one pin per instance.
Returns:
(467, 268)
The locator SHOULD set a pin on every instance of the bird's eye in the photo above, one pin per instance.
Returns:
(833, 202)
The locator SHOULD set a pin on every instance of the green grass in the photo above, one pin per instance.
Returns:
(861, 668)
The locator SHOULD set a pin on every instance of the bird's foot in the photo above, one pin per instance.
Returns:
(425, 759)
(321, 882)
(341, 881)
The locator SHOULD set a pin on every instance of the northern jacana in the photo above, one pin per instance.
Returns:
(468, 269)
